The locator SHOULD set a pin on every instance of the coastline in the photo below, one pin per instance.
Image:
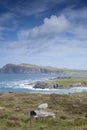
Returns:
(69, 104)
(60, 85)
(45, 84)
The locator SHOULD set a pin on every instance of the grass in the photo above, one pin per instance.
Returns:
(70, 110)
(66, 82)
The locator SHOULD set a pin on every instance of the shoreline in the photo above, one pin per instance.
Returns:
(60, 85)
(57, 85)
(66, 91)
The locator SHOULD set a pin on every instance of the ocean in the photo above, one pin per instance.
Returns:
(22, 83)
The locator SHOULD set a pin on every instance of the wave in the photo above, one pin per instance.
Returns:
(24, 83)
(60, 91)
(27, 86)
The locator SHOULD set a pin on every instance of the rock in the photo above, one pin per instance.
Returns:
(56, 86)
(84, 83)
(47, 84)
(43, 106)
(62, 77)
(79, 84)
(43, 85)
(42, 113)
(2, 108)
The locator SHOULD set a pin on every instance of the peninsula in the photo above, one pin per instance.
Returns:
(32, 69)
(29, 68)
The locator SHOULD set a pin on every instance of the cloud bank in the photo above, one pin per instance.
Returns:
(53, 25)
(55, 33)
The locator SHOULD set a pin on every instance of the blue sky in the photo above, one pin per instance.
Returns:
(44, 32)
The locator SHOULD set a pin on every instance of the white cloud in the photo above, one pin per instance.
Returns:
(51, 39)
(7, 22)
(75, 14)
(52, 25)
(58, 47)
(26, 7)
(5, 17)
(55, 46)
(80, 31)
(31, 9)
(57, 51)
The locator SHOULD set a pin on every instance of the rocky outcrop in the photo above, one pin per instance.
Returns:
(79, 84)
(47, 84)
(43, 85)
(52, 85)
(28, 68)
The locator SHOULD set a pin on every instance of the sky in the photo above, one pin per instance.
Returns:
(44, 32)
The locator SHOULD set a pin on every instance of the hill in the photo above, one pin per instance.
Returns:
(28, 68)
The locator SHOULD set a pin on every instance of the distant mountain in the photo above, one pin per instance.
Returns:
(28, 68)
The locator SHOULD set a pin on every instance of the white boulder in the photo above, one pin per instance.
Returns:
(43, 106)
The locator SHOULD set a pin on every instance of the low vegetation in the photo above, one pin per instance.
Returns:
(71, 81)
(70, 110)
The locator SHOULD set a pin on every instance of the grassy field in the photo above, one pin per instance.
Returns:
(66, 82)
(70, 110)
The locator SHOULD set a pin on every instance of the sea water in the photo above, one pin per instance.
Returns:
(23, 83)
